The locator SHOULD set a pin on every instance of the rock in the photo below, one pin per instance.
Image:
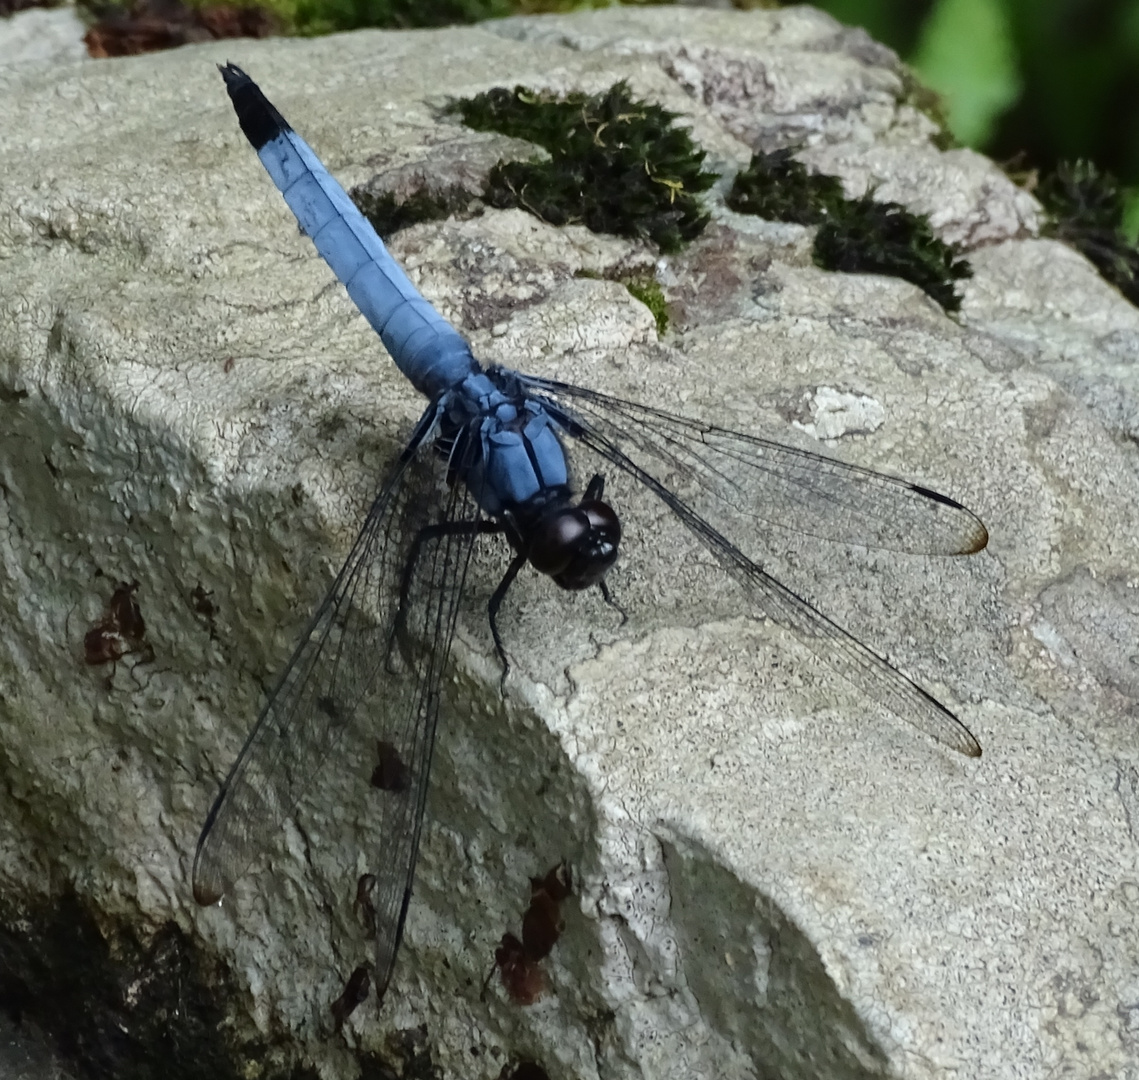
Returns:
(771, 875)
(40, 36)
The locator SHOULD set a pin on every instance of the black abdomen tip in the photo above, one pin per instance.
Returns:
(255, 112)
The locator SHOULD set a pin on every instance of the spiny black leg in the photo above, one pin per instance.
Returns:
(595, 490)
(492, 607)
(426, 534)
(608, 598)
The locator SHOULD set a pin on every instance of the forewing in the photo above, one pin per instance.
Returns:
(757, 478)
(421, 646)
(357, 661)
(651, 452)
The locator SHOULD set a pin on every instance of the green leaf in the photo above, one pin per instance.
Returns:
(1130, 227)
(966, 53)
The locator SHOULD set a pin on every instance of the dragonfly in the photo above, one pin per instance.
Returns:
(489, 457)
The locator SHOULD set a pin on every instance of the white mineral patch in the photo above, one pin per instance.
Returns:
(835, 413)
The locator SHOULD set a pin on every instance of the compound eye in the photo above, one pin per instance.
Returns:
(577, 545)
(556, 540)
(603, 521)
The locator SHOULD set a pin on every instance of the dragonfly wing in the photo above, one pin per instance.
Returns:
(372, 654)
(433, 590)
(759, 479)
(657, 444)
(862, 667)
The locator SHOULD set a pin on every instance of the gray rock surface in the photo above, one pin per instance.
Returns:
(774, 877)
(40, 36)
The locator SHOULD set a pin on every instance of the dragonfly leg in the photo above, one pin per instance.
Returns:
(426, 535)
(594, 491)
(492, 607)
(607, 596)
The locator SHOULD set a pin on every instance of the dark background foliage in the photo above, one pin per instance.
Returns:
(1034, 82)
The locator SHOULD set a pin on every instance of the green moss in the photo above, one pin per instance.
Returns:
(777, 187)
(643, 288)
(312, 17)
(616, 165)
(931, 105)
(854, 235)
(867, 237)
(328, 16)
(388, 214)
(649, 292)
(1086, 209)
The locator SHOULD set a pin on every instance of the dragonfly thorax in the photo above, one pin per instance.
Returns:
(504, 446)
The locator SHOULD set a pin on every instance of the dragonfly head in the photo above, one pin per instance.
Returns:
(576, 545)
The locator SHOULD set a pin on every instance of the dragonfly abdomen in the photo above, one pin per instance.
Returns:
(425, 347)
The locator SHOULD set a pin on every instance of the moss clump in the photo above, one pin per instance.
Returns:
(932, 105)
(868, 237)
(649, 292)
(641, 287)
(855, 235)
(328, 16)
(388, 214)
(777, 187)
(1085, 207)
(616, 165)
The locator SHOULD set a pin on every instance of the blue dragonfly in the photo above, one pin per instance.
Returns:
(488, 456)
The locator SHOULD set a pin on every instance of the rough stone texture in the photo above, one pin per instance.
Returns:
(41, 36)
(774, 877)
